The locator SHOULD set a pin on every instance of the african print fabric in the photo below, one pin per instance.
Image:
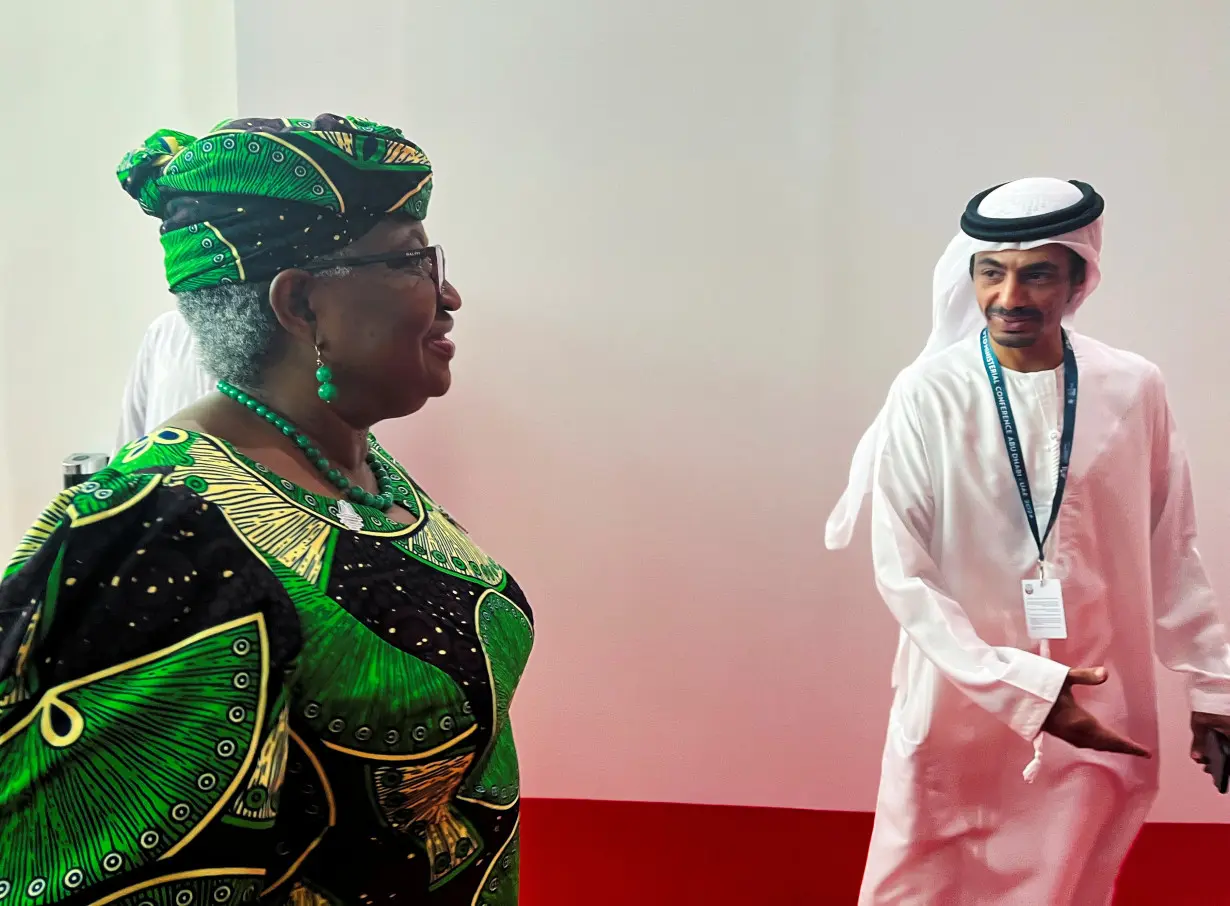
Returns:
(258, 196)
(217, 686)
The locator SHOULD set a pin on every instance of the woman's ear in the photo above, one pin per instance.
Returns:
(289, 299)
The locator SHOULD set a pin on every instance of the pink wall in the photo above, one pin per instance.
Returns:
(695, 244)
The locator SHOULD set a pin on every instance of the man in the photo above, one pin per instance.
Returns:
(166, 377)
(1033, 532)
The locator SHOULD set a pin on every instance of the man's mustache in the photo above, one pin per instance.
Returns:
(1014, 314)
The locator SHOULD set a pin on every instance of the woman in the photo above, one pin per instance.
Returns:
(253, 657)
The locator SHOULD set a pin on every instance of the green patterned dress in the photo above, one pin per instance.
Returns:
(216, 687)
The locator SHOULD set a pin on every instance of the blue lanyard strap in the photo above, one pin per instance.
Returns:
(1012, 440)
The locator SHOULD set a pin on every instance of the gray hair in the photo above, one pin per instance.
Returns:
(237, 333)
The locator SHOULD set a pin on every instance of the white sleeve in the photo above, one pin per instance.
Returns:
(1188, 632)
(132, 409)
(1019, 687)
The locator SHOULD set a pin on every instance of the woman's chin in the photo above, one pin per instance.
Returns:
(440, 379)
(416, 393)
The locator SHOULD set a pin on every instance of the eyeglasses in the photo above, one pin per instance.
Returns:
(426, 262)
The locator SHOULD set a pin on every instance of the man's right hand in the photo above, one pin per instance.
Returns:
(1074, 725)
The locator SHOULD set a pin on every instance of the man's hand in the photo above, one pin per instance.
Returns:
(1073, 724)
(1202, 723)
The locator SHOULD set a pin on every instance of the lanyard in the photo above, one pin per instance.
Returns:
(1012, 440)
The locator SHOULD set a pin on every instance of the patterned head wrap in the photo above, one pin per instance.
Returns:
(258, 196)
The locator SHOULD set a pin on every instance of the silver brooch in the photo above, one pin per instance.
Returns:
(348, 517)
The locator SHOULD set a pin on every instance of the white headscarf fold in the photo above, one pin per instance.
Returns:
(955, 314)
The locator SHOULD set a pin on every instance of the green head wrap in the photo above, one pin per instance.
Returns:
(258, 196)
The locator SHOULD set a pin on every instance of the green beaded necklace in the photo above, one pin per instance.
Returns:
(382, 501)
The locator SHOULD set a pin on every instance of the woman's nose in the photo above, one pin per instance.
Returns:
(450, 299)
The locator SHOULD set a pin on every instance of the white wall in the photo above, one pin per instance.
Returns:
(82, 84)
(695, 242)
(634, 202)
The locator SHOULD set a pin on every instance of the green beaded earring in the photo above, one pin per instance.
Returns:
(324, 374)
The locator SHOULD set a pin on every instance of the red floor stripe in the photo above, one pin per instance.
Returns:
(632, 853)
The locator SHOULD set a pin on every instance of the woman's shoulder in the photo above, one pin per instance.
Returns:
(123, 565)
(138, 499)
(121, 528)
(165, 449)
(175, 485)
(255, 497)
(114, 504)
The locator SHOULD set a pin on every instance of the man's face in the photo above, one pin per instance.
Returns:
(1024, 294)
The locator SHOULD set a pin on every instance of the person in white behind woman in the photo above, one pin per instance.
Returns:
(166, 378)
(1033, 532)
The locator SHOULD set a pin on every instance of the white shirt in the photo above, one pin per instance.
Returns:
(1037, 402)
(955, 822)
(166, 377)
